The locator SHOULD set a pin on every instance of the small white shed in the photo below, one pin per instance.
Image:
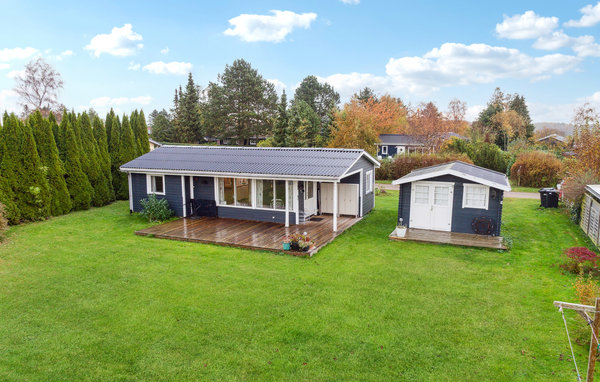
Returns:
(590, 212)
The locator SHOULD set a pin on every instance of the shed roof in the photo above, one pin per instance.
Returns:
(462, 170)
(594, 189)
(251, 161)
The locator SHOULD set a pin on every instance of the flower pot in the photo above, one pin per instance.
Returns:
(286, 246)
(295, 246)
(400, 231)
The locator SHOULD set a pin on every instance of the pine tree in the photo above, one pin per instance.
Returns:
(60, 201)
(78, 184)
(23, 170)
(114, 149)
(127, 153)
(188, 127)
(303, 125)
(101, 194)
(103, 155)
(281, 123)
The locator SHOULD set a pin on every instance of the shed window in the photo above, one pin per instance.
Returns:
(476, 196)
(156, 184)
(369, 181)
(421, 194)
(441, 196)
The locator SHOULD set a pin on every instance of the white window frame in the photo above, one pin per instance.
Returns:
(149, 178)
(254, 205)
(474, 186)
(369, 182)
(384, 150)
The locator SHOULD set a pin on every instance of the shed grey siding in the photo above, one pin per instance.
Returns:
(367, 199)
(461, 217)
(172, 192)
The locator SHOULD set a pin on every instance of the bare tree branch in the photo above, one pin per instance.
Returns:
(38, 86)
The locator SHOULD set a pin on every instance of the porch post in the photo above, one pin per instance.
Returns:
(335, 206)
(130, 192)
(296, 203)
(183, 195)
(287, 204)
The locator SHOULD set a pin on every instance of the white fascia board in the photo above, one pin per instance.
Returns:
(229, 174)
(408, 179)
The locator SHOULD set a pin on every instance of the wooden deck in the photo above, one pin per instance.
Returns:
(453, 238)
(248, 234)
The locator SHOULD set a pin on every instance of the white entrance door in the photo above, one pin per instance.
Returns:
(347, 198)
(310, 198)
(431, 205)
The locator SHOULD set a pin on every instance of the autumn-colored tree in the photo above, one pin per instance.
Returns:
(510, 126)
(427, 122)
(586, 138)
(359, 123)
(455, 116)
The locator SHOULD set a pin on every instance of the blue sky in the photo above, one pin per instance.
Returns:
(132, 54)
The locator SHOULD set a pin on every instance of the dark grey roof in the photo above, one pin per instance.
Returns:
(400, 139)
(462, 170)
(293, 162)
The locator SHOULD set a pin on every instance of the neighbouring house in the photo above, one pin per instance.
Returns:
(391, 145)
(455, 197)
(154, 144)
(282, 185)
(233, 141)
(552, 140)
(590, 212)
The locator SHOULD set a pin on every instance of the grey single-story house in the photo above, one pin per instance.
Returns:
(283, 185)
(391, 145)
(454, 197)
(590, 212)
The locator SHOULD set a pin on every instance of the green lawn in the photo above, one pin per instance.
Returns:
(83, 298)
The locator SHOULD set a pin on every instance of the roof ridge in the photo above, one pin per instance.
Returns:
(264, 148)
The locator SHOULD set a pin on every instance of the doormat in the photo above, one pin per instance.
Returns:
(316, 219)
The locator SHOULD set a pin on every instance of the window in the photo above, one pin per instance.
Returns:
(226, 191)
(384, 150)
(441, 196)
(309, 190)
(271, 194)
(475, 196)
(421, 194)
(243, 192)
(369, 181)
(155, 184)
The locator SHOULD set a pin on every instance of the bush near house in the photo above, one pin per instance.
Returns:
(536, 169)
(155, 209)
(580, 260)
(404, 164)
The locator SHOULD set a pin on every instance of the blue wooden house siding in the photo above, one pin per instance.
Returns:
(367, 199)
(172, 192)
(461, 217)
(392, 151)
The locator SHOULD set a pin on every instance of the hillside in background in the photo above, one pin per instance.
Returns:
(566, 128)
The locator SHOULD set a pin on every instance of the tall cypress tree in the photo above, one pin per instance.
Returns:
(23, 170)
(60, 202)
(7, 196)
(101, 194)
(103, 155)
(114, 149)
(140, 132)
(127, 153)
(108, 124)
(78, 184)
(281, 123)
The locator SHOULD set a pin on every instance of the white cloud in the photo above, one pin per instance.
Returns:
(591, 17)
(119, 42)
(279, 85)
(4, 66)
(107, 102)
(350, 1)
(525, 26)
(174, 67)
(584, 46)
(472, 112)
(64, 54)
(271, 28)
(8, 101)
(8, 54)
(15, 73)
(165, 50)
(133, 66)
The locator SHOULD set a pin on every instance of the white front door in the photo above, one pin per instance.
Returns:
(310, 198)
(431, 205)
(347, 198)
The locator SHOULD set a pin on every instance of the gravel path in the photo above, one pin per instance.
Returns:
(509, 194)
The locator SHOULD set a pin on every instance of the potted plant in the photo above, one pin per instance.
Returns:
(301, 242)
(286, 243)
(400, 229)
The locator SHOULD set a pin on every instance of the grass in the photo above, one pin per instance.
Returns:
(523, 189)
(383, 181)
(83, 298)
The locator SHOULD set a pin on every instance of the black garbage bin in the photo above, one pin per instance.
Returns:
(548, 197)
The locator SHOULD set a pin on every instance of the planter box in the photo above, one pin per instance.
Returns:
(400, 231)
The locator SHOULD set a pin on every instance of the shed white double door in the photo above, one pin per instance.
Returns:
(347, 198)
(431, 205)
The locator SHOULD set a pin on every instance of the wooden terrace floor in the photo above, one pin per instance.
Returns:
(248, 234)
(453, 238)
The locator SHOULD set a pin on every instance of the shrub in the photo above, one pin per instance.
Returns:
(404, 164)
(384, 172)
(580, 260)
(536, 169)
(155, 209)
(489, 155)
(586, 289)
(573, 189)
